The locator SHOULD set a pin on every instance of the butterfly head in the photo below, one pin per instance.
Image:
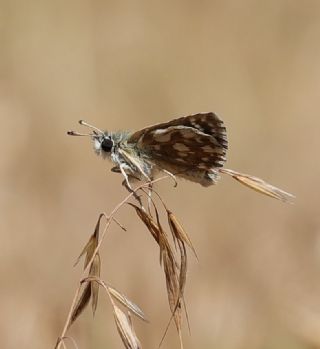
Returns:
(102, 141)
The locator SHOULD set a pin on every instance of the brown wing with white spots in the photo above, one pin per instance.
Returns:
(184, 147)
(207, 123)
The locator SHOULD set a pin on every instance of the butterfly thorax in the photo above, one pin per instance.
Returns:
(125, 155)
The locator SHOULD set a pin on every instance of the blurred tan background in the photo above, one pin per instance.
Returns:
(125, 65)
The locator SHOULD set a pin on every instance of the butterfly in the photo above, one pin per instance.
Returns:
(192, 147)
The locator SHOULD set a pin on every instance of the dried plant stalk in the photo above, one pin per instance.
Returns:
(173, 258)
(89, 286)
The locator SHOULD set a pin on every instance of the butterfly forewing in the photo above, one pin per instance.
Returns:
(207, 123)
(192, 143)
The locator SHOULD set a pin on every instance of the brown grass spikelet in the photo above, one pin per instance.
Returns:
(95, 271)
(259, 185)
(172, 282)
(81, 304)
(91, 289)
(155, 229)
(125, 329)
(178, 231)
(126, 302)
(147, 220)
(91, 245)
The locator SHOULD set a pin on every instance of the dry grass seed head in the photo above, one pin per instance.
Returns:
(126, 302)
(125, 329)
(81, 303)
(178, 232)
(91, 245)
(91, 289)
(154, 228)
(260, 185)
(175, 274)
(95, 271)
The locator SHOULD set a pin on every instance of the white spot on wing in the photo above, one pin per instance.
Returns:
(161, 135)
(160, 131)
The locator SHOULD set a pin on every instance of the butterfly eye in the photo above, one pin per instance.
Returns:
(107, 145)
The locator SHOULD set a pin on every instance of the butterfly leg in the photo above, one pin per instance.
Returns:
(115, 169)
(126, 177)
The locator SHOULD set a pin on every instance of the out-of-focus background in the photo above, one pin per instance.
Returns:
(125, 65)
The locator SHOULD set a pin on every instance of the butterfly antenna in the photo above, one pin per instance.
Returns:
(84, 123)
(74, 133)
